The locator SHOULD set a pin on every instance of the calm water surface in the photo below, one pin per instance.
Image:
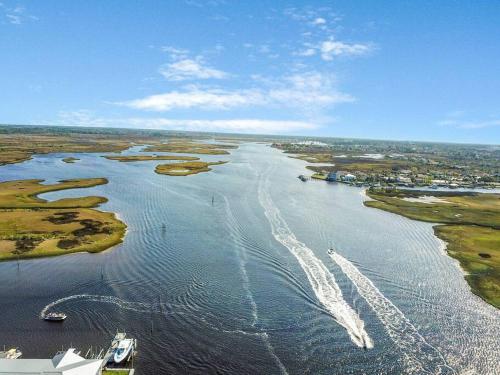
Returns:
(246, 285)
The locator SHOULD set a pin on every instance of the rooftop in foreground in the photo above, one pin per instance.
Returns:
(63, 363)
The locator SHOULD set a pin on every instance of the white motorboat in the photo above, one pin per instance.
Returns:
(123, 351)
(55, 317)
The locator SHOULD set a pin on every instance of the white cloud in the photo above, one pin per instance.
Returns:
(457, 119)
(332, 48)
(463, 124)
(16, 15)
(306, 91)
(311, 90)
(237, 125)
(175, 52)
(307, 52)
(319, 21)
(187, 69)
(246, 125)
(195, 98)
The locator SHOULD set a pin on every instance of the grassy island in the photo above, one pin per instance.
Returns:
(16, 148)
(132, 158)
(70, 160)
(32, 227)
(190, 147)
(185, 169)
(469, 222)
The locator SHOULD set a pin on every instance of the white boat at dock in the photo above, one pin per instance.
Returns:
(121, 349)
(124, 350)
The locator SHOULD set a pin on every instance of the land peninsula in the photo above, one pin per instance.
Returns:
(185, 146)
(18, 145)
(132, 158)
(187, 168)
(190, 165)
(468, 222)
(33, 227)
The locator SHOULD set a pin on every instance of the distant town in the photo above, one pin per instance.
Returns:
(390, 163)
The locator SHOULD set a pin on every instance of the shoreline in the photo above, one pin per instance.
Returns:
(33, 227)
(455, 237)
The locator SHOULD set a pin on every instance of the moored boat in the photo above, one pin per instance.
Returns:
(124, 350)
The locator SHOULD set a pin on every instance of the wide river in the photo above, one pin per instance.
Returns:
(246, 285)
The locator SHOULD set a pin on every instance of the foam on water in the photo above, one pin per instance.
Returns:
(320, 278)
(126, 305)
(419, 356)
(243, 259)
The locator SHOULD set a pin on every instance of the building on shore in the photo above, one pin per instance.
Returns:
(349, 178)
(335, 176)
(63, 363)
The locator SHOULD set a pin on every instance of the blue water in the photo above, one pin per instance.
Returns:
(246, 285)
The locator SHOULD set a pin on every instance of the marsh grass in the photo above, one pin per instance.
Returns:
(185, 169)
(469, 223)
(32, 227)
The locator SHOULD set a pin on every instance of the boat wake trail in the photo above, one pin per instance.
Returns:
(125, 305)
(419, 355)
(321, 279)
(243, 259)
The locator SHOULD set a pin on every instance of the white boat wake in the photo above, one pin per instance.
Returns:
(419, 355)
(243, 259)
(321, 279)
(126, 305)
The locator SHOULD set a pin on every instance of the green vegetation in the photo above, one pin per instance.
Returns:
(32, 227)
(132, 158)
(319, 176)
(185, 169)
(23, 194)
(189, 147)
(70, 160)
(16, 148)
(115, 372)
(469, 223)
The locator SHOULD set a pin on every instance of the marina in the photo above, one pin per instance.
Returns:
(117, 359)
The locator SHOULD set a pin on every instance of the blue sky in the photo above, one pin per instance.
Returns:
(420, 70)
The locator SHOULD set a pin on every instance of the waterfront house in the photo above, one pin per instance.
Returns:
(349, 178)
(63, 363)
(335, 176)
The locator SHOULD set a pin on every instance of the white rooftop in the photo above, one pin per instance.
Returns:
(65, 363)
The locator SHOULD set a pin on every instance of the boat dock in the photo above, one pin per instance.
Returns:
(107, 359)
(117, 359)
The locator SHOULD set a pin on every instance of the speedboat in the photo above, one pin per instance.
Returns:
(124, 350)
(55, 317)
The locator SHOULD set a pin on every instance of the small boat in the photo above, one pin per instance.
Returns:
(13, 353)
(331, 251)
(124, 350)
(55, 317)
(302, 178)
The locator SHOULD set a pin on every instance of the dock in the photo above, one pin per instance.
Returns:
(108, 366)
